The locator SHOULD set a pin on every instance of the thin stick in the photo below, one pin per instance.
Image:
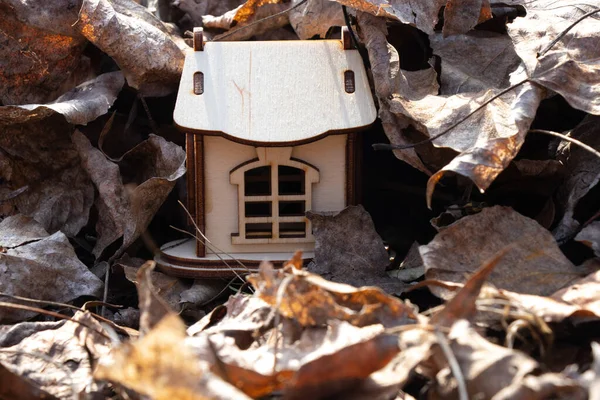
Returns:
(563, 33)
(454, 366)
(220, 258)
(568, 139)
(386, 146)
(207, 242)
(223, 36)
(52, 314)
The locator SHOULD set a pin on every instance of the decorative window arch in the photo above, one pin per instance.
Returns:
(274, 191)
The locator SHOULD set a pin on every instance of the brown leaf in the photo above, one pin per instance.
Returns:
(153, 308)
(389, 78)
(582, 175)
(462, 305)
(422, 14)
(569, 67)
(127, 204)
(41, 268)
(13, 386)
(548, 385)
(162, 366)
(41, 53)
(590, 236)
(491, 60)
(248, 9)
(343, 370)
(487, 367)
(462, 16)
(39, 158)
(87, 101)
(58, 358)
(316, 18)
(312, 300)
(360, 259)
(149, 58)
(534, 265)
(246, 15)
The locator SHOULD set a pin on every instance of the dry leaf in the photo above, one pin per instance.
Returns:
(491, 60)
(246, 14)
(59, 358)
(161, 366)
(38, 156)
(487, 367)
(40, 268)
(569, 67)
(87, 101)
(360, 259)
(422, 14)
(197, 10)
(149, 58)
(41, 54)
(312, 300)
(388, 78)
(127, 204)
(153, 308)
(462, 16)
(590, 236)
(315, 18)
(582, 175)
(534, 265)
(548, 385)
(14, 386)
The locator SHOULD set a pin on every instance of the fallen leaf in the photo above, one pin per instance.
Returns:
(14, 386)
(491, 60)
(153, 307)
(569, 67)
(246, 15)
(42, 56)
(388, 78)
(582, 175)
(59, 358)
(315, 18)
(160, 365)
(422, 14)
(150, 59)
(38, 155)
(196, 11)
(462, 16)
(311, 300)
(87, 101)
(40, 268)
(487, 368)
(590, 236)
(127, 204)
(360, 259)
(548, 385)
(534, 265)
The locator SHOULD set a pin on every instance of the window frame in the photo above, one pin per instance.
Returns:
(273, 157)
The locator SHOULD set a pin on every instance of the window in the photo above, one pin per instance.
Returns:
(274, 192)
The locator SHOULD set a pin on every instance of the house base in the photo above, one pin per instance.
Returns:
(178, 258)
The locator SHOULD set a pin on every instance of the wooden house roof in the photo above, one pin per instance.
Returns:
(274, 92)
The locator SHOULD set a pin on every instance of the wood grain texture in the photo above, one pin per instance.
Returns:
(274, 93)
(222, 197)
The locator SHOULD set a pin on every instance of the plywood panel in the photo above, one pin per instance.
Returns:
(221, 197)
(274, 92)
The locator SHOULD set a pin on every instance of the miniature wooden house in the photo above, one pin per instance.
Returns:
(270, 134)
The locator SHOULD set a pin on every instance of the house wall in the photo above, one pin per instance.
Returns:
(328, 155)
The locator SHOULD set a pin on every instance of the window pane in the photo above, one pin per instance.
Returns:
(257, 181)
(258, 209)
(292, 230)
(291, 180)
(291, 208)
(259, 231)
